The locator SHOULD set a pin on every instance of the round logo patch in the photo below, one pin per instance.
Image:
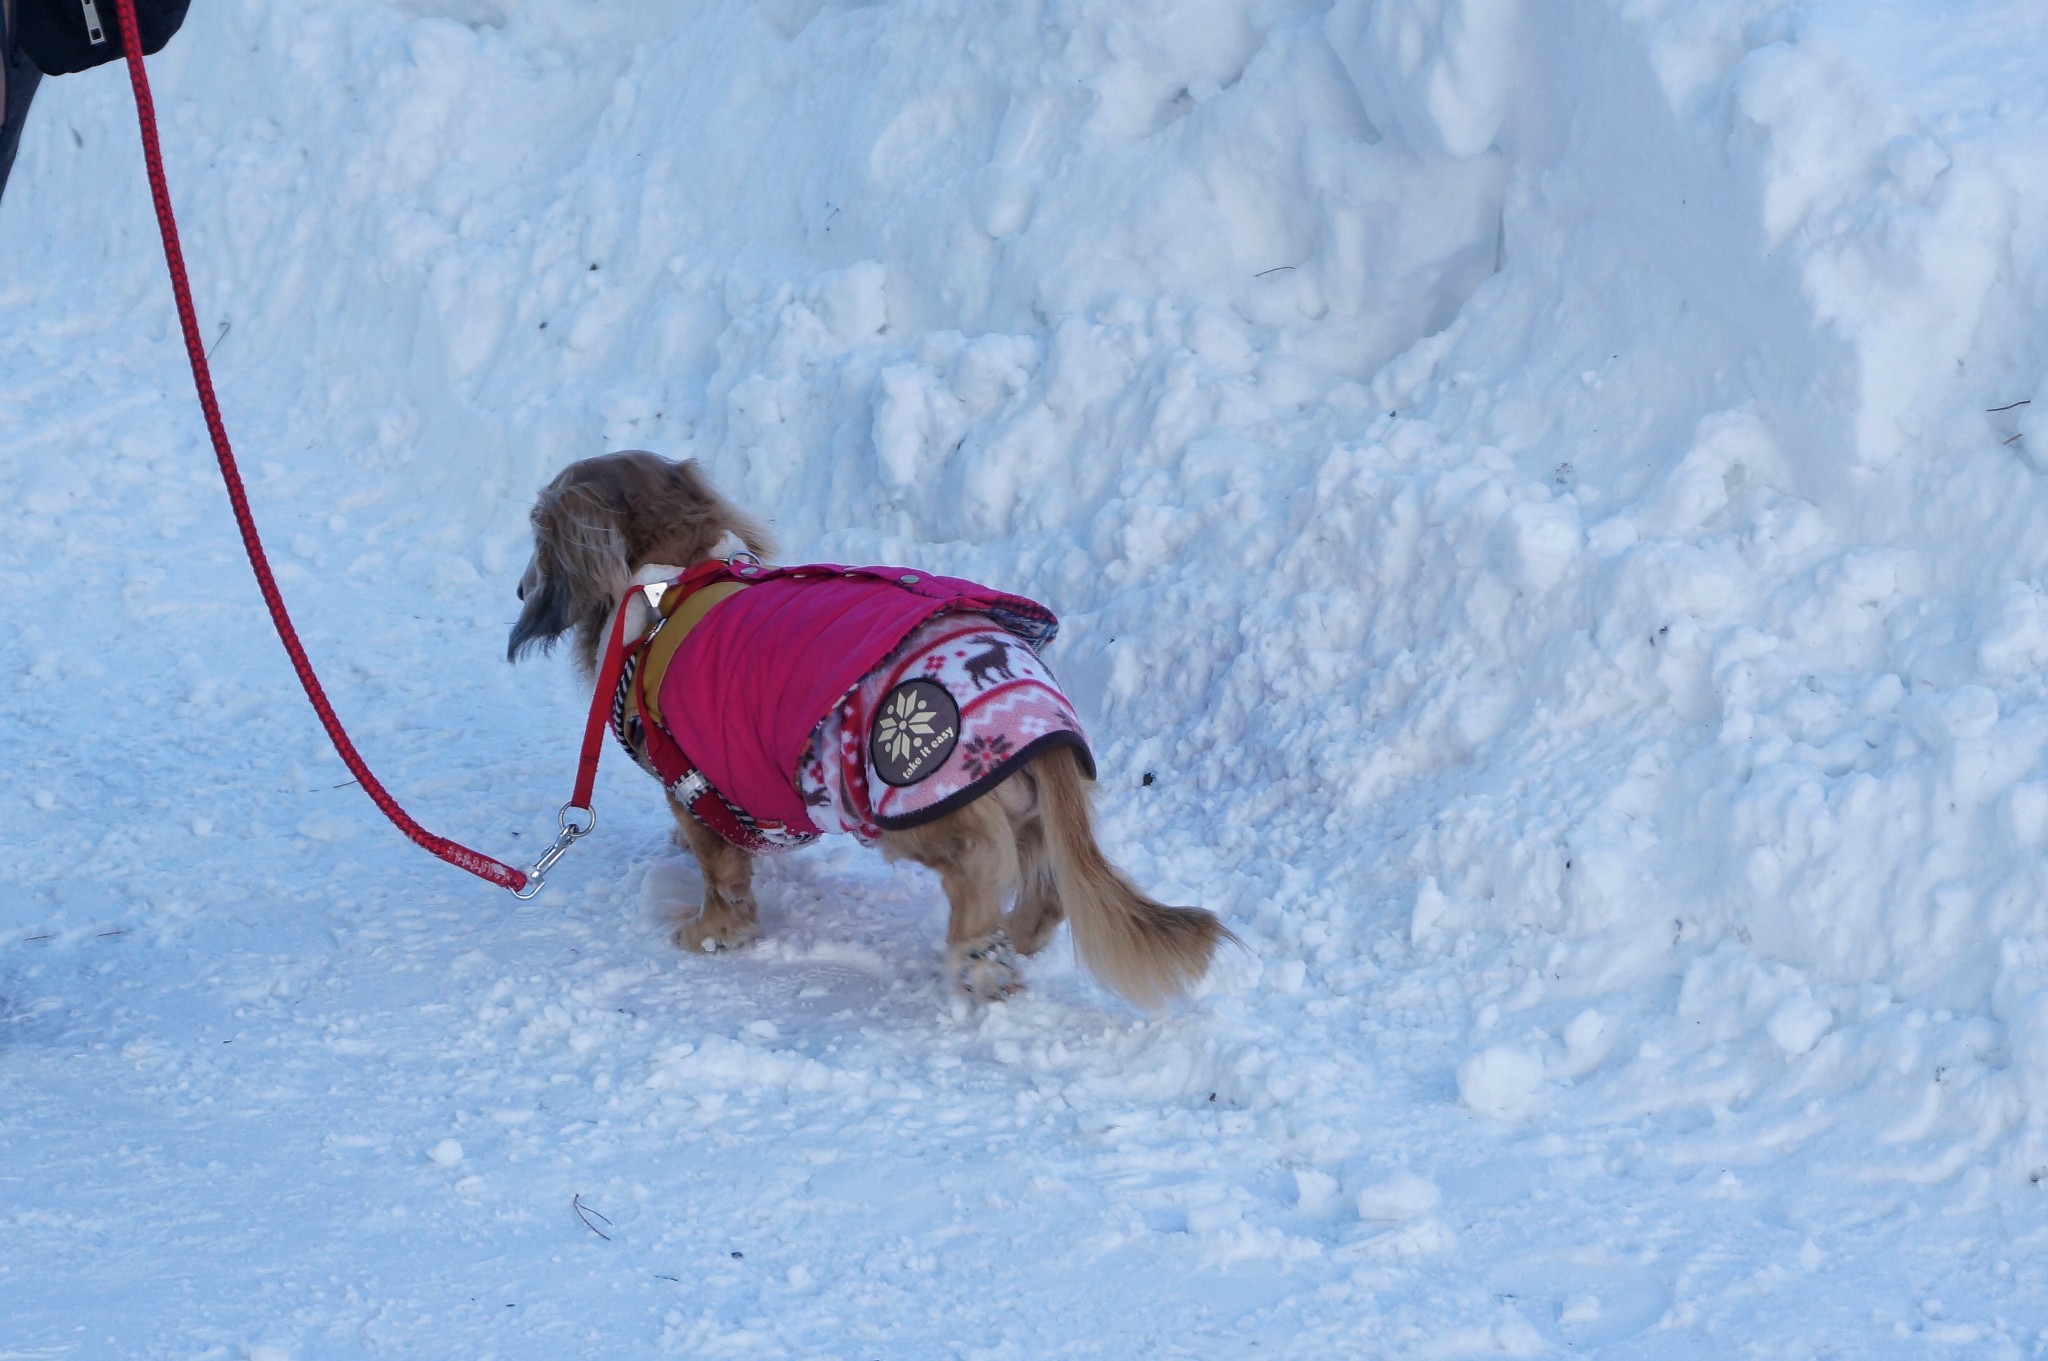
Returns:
(914, 733)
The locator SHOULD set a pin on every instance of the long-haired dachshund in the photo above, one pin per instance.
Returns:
(909, 709)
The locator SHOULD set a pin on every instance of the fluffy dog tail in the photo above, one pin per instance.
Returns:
(1149, 953)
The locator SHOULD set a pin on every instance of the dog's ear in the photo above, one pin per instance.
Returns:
(544, 613)
(579, 569)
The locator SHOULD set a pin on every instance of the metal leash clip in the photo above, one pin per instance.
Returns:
(570, 834)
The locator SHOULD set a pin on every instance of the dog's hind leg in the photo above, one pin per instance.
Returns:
(729, 917)
(1037, 913)
(976, 859)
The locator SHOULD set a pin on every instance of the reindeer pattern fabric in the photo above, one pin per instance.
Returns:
(956, 708)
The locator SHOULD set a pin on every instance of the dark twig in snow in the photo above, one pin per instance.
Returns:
(1274, 270)
(584, 1212)
(1994, 410)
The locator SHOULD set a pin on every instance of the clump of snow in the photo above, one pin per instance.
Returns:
(1315, 1191)
(1500, 1080)
(1400, 1198)
(1798, 1023)
(1588, 1039)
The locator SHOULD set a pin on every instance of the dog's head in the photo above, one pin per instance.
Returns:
(601, 520)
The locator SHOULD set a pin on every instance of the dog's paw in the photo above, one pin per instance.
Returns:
(709, 936)
(987, 969)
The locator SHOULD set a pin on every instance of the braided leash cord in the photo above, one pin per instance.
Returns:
(462, 857)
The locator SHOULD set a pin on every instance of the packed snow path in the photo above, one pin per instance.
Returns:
(1545, 504)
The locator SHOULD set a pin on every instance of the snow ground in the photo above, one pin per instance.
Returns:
(1538, 487)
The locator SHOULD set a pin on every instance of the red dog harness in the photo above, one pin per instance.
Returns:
(724, 698)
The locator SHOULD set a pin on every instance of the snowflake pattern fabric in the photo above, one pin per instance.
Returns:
(952, 712)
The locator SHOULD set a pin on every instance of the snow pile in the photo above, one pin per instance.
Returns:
(1543, 500)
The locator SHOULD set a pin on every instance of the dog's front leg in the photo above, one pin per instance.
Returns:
(729, 917)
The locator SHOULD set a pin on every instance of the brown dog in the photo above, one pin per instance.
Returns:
(1030, 842)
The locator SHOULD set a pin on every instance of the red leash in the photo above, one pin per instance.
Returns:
(522, 884)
